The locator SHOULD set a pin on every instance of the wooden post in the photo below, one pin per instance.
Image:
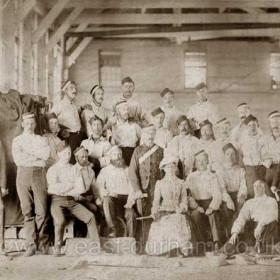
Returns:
(2, 73)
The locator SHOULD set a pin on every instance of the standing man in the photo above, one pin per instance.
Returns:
(252, 146)
(205, 190)
(163, 135)
(238, 131)
(202, 110)
(272, 147)
(114, 186)
(68, 117)
(144, 172)
(97, 145)
(125, 133)
(95, 109)
(65, 185)
(30, 153)
(170, 111)
(53, 139)
(183, 147)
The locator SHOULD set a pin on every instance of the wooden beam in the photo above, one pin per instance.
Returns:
(98, 29)
(78, 50)
(69, 44)
(39, 9)
(48, 20)
(136, 4)
(62, 29)
(205, 18)
(24, 10)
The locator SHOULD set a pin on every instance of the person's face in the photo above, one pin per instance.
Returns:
(65, 155)
(252, 127)
(243, 112)
(128, 88)
(29, 125)
(158, 120)
(82, 158)
(116, 155)
(201, 162)
(224, 130)
(168, 100)
(97, 127)
(275, 126)
(258, 189)
(230, 156)
(170, 169)
(53, 125)
(184, 127)
(202, 94)
(149, 137)
(99, 95)
(206, 132)
(71, 91)
(123, 112)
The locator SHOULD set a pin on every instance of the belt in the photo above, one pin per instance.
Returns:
(75, 133)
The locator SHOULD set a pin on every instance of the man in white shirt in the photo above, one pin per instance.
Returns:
(205, 189)
(233, 183)
(65, 185)
(170, 111)
(202, 110)
(262, 212)
(96, 108)
(53, 139)
(30, 153)
(114, 186)
(68, 117)
(125, 134)
(97, 145)
(252, 145)
(183, 147)
(163, 135)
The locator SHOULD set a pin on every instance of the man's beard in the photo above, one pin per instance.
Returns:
(118, 163)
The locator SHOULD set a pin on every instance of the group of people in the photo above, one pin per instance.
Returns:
(175, 178)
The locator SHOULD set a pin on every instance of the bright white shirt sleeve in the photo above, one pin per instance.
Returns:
(156, 201)
(101, 183)
(270, 213)
(105, 159)
(243, 217)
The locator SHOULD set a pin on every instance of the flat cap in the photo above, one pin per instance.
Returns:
(181, 119)
(94, 89)
(228, 146)
(222, 121)
(165, 91)
(200, 86)
(95, 118)
(29, 115)
(79, 149)
(50, 116)
(200, 152)
(127, 80)
(244, 104)
(66, 84)
(273, 115)
(206, 122)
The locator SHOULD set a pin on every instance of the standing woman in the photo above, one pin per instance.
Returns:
(170, 233)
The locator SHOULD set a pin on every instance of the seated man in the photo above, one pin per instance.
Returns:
(90, 198)
(64, 185)
(205, 190)
(263, 212)
(97, 145)
(114, 186)
(233, 183)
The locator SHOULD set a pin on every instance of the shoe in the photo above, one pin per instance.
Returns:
(112, 233)
(180, 254)
(57, 251)
(44, 249)
(31, 250)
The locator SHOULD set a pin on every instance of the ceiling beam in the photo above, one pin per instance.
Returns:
(24, 10)
(62, 29)
(39, 9)
(48, 20)
(136, 4)
(69, 44)
(203, 18)
(78, 50)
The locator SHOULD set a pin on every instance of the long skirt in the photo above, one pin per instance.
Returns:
(170, 232)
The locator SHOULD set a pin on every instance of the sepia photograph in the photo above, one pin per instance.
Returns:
(139, 139)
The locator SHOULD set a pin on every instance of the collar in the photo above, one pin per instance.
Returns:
(80, 167)
(167, 109)
(94, 140)
(66, 98)
(121, 123)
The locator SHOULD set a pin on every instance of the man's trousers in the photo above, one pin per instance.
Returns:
(32, 192)
(60, 205)
(115, 206)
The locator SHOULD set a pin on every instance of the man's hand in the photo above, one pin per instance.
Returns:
(4, 192)
(230, 205)
(241, 199)
(233, 238)
(113, 194)
(258, 231)
(273, 189)
(98, 202)
(200, 210)
(209, 211)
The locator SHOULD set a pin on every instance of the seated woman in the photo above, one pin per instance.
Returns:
(170, 233)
